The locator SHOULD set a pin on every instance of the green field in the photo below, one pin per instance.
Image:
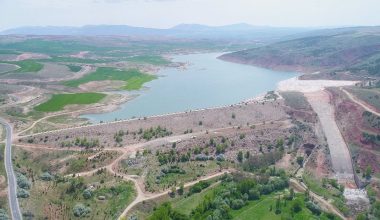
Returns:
(134, 78)
(27, 66)
(59, 101)
(187, 204)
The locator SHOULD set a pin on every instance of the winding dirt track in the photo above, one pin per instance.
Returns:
(325, 204)
(142, 195)
(366, 106)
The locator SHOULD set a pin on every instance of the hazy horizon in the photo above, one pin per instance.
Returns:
(168, 13)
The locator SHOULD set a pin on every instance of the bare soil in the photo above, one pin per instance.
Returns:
(178, 123)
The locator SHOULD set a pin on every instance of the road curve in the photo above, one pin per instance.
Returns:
(12, 183)
(363, 104)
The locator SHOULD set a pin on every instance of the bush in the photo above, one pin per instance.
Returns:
(314, 208)
(198, 187)
(237, 204)
(81, 210)
(297, 206)
(22, 193)
(87, 194)
(22, 181)
(253, 194)
(46, 176)
(3, 214)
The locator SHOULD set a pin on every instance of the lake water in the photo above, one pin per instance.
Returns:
(206, 82)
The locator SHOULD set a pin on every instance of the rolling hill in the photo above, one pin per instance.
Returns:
(333, 52)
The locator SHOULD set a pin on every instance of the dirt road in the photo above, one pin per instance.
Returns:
(141, 196)
(366, 106)
(323, 203)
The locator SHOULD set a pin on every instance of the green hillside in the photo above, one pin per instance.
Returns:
(347, 49)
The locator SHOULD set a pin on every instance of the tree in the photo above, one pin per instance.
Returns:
(361, 216)
(237, 204)
(297, 206)
(247, 154)
(291, 193)
(278, 206)
(253, 194)
(314, 208)
(300, 161)
(181, 189)
(240, 156)
(173, 191)
(368, 172)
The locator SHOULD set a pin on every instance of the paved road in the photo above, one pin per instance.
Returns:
(12, 184)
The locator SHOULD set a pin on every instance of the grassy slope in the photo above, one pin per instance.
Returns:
(134, 78)
(27, 66)
(330, 193)
(370, 96)
(189, 203)
(260, 209)
(59, 101)
(352, 49)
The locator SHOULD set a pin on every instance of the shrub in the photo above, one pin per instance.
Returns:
(253, 194)
(22, 193)
(237, 204)
(240, 156)
(81, 210)
(87, 194)
(314, 208)
(22, 181)
(46, 176)
(3, 214)
(300, 161)
(198, 187)
(297, 206)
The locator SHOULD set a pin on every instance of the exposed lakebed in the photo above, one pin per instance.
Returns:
(205, 82)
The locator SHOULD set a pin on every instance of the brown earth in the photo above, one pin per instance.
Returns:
(349, 116)
(178, 123)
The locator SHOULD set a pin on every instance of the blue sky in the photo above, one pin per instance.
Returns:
(167, 13)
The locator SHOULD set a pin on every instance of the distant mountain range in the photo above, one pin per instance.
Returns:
(193, 31)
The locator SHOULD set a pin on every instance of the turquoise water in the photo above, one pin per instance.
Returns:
(206, 82)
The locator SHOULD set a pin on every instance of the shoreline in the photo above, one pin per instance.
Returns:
(290, 84)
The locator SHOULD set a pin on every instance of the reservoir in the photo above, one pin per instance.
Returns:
(205, 82)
